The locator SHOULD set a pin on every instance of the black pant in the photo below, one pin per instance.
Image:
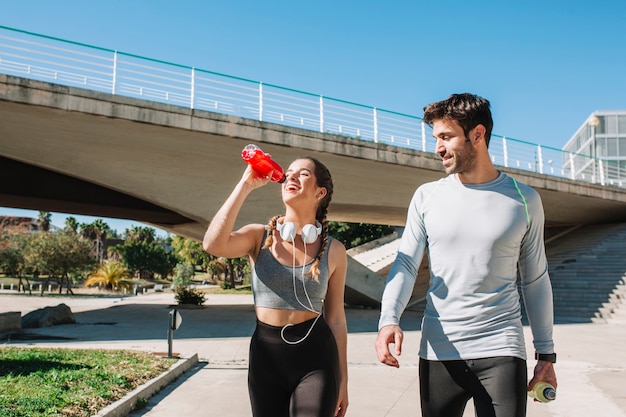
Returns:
(496, 385)
(293, 380)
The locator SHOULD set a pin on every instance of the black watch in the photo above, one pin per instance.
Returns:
(548, 357)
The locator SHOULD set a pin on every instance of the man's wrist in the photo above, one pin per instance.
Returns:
(548, 357)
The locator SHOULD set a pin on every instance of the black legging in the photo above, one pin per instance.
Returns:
(293, 380)
(497, 386)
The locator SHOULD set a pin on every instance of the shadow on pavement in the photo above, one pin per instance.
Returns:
(135, 321)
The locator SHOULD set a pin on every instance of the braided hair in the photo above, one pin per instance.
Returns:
(323, 179)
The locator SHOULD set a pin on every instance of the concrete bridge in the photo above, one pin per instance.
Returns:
(71, 150)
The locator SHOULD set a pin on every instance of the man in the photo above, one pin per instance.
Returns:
(482, 230)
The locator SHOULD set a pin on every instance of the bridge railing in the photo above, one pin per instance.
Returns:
(49, 59)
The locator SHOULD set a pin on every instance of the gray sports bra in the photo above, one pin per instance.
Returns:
(273, 283)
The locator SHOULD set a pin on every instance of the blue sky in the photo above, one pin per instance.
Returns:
(544, 65)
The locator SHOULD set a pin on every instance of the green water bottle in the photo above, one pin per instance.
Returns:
(543, 392)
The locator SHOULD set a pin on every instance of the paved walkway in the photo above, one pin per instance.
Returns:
(591, 367)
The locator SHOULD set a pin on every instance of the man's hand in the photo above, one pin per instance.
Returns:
(544, 372)
(387, 335)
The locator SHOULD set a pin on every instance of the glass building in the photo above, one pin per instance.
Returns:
(597, 151)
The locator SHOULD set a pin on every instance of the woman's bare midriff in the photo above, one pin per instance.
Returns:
(280, 317)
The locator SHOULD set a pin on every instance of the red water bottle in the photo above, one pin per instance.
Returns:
(263, 163)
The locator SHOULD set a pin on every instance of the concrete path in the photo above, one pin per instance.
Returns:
(591, 367)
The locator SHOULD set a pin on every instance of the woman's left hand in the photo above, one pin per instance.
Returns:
(342, 403)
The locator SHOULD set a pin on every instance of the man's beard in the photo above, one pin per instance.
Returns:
(464, 159)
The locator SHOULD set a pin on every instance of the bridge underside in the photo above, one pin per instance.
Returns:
(76, 151)
(31, 187)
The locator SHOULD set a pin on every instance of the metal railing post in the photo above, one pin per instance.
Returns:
(192, 93)
(260, 101)
(601, 169)
(423, 137)
(321, 114)
(540, 159)
(505, 152)
(114, 80)
(375, 125)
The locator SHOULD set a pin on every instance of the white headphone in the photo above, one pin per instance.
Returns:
(310, 233)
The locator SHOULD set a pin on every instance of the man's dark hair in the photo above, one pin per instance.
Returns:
(468, 110)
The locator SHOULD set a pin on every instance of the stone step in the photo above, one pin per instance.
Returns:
(582, 289)
(587, 269)
(578, 319)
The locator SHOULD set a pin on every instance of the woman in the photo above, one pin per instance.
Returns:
(298, 365)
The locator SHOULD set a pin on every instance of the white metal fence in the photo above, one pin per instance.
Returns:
(44, 58)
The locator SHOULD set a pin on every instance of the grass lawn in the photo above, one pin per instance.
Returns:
(199, 278)
(37, 382)
(240, 289)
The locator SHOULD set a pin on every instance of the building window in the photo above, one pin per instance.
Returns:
(611, 125)
(621, 124)
(622, 147)
(611, 147)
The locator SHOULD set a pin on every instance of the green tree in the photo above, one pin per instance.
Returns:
(183, 275)
(241, 268)
(11, 261)
(191, 251)
(112, 275)
(11, 254)
(355, 234)
(147, 259)
(235, 270)
(114, 253)
(229, 280)
(59, 255)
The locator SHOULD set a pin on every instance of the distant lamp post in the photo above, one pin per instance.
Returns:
(593, 122)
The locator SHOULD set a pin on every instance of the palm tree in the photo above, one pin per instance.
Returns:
(139, 234)
(110, 274)
(88, 231)
(101, 228)
(44, 219)
(96, 232)
(71, 224)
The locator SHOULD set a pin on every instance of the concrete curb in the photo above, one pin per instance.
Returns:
(125, 405)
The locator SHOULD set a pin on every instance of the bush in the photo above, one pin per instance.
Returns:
(186, 295)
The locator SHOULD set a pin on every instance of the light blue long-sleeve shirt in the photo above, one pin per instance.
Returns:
(479, 237)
